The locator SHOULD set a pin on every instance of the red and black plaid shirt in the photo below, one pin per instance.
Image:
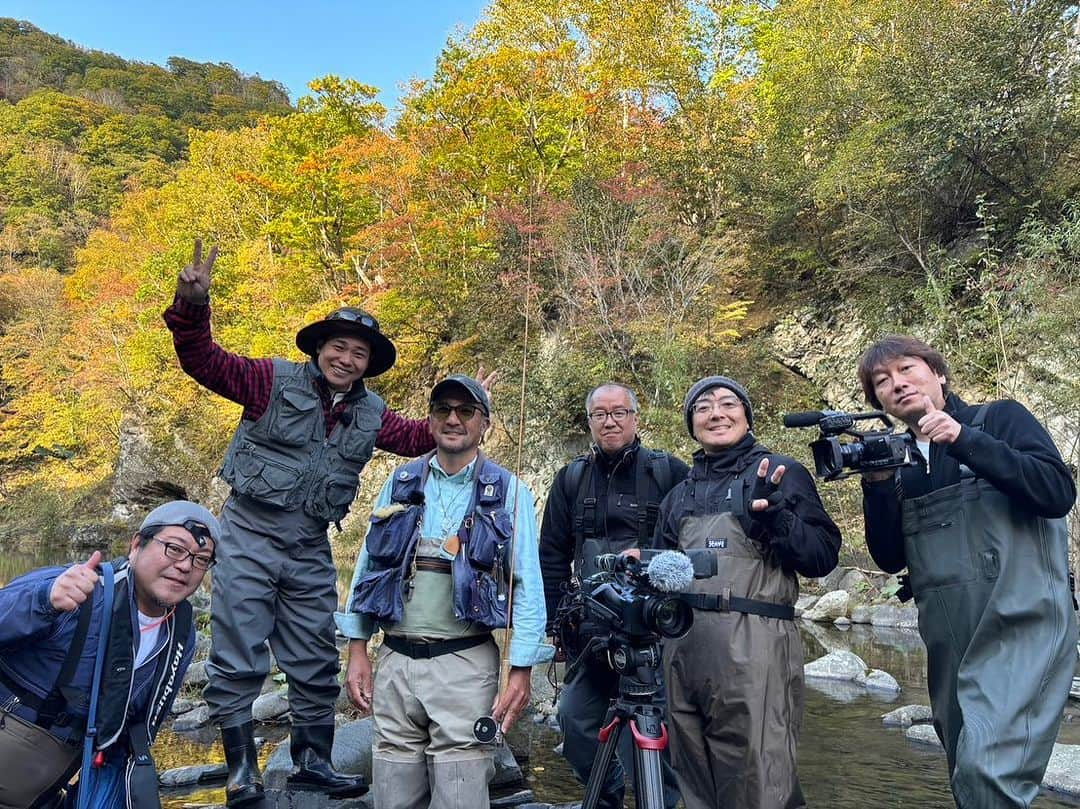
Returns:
(249, 382)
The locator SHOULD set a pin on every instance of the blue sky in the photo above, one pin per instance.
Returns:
(380, 43)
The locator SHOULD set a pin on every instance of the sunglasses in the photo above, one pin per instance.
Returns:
(442, 411)
(355, 317)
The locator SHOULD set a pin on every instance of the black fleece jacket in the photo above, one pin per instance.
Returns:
(1013, 452)
(800, 534)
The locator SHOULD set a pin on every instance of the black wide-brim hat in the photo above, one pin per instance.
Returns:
(352, 323)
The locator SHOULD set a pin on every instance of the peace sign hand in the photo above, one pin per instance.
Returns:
(193, 283)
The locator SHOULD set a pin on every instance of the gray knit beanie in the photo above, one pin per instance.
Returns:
(704, 385)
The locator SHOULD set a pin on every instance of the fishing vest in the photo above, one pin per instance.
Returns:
(652, 480)
(285, 459)
(481, 568)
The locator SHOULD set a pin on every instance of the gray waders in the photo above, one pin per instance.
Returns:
(735, 682)
(991, 583)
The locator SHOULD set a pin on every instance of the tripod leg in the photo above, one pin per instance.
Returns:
(609, 741)
(650, 739)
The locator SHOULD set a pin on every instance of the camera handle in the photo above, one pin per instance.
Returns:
(646, 723)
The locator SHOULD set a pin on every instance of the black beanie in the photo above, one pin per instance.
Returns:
(704, 385)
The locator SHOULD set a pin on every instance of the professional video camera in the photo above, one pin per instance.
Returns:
(625, 608)
(871, 451)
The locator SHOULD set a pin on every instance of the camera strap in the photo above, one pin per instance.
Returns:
(725, 602)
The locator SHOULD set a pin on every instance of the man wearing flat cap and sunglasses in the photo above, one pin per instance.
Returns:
(306, 432)
(51, 623)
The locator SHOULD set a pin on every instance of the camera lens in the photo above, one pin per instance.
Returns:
(669, 616)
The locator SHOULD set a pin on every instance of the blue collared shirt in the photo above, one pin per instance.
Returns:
(446, 501)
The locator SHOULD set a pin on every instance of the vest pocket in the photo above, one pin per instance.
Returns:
(293, 419)
(358, 438)
(488, 538)
(378, 594)
(332, 503)
(262, 479)
(388, 537)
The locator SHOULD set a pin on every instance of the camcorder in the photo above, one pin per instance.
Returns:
(870, 451)
(622, 611)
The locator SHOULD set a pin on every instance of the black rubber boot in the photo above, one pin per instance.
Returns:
(244, 789)
(310, 746)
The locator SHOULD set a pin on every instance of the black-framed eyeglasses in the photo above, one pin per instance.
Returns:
(354, 317)
(620, 414)
(178, 553)
(442, 411)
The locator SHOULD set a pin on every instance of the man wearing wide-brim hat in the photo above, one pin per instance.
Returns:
(306, 432)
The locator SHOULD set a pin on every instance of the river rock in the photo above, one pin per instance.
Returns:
(923, 734)
(270, 707)
(829, 606)
(842, 623)
(882, 682)
(196, 674)
(907, 715)
(898, 615)
(860, 614)
(190, 776)
(182, 705)
(192, 720)
(838, 665)
(1063, 771)
(803, 604)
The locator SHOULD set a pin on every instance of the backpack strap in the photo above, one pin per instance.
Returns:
(656, 465)
(580, 487)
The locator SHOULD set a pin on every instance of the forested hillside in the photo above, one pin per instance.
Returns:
(660, 190)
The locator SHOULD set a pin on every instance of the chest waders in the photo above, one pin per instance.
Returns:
(991, 583)
(735, 682)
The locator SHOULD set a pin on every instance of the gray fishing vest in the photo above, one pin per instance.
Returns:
(991, 581)
(285, 459)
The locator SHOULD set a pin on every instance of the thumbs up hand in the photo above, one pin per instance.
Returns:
(74, 585)
(937, 425)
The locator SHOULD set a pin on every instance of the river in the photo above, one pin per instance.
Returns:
(847, 759)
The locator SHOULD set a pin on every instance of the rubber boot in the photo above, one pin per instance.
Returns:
(461, 784)
(244, 788)
(310, 746)
(399, 784)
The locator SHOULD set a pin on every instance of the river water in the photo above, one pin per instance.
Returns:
(847, 759)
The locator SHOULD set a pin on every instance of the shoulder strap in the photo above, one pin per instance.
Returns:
(56, 700)
(417, 468)
(579, 486)
(654, 464)
(980, 416)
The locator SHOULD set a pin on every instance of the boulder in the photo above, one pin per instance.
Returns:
(907, 715)
(190, 776)
(894, 614)
(1063, 771)
(271, 707)
(830, 606)
(882, 682)
(803, 604)
(923, 734)
(192, 720)
(196, 674)
(838, 665)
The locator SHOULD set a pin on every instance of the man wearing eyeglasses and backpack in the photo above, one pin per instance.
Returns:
(306, 432)
(51, 627)
(605, 501)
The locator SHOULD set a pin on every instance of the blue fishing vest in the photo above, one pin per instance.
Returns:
(481, 568)
(285, 459)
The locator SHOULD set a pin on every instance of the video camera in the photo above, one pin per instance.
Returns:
(871, 451)
(621, 612)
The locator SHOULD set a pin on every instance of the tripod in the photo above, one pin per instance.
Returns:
(637, 669)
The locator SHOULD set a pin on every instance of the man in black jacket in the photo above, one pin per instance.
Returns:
(603, 502)
(979, 523)
(735, 681)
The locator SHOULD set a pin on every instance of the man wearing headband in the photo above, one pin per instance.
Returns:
(44, 617)
(451, 546)
(306, 432)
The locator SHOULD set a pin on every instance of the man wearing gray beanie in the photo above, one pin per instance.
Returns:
(735, 681)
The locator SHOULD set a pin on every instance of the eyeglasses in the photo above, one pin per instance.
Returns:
(464, 412)
(619, 414)
(707, 406)
(354, 317)
(178, 553)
